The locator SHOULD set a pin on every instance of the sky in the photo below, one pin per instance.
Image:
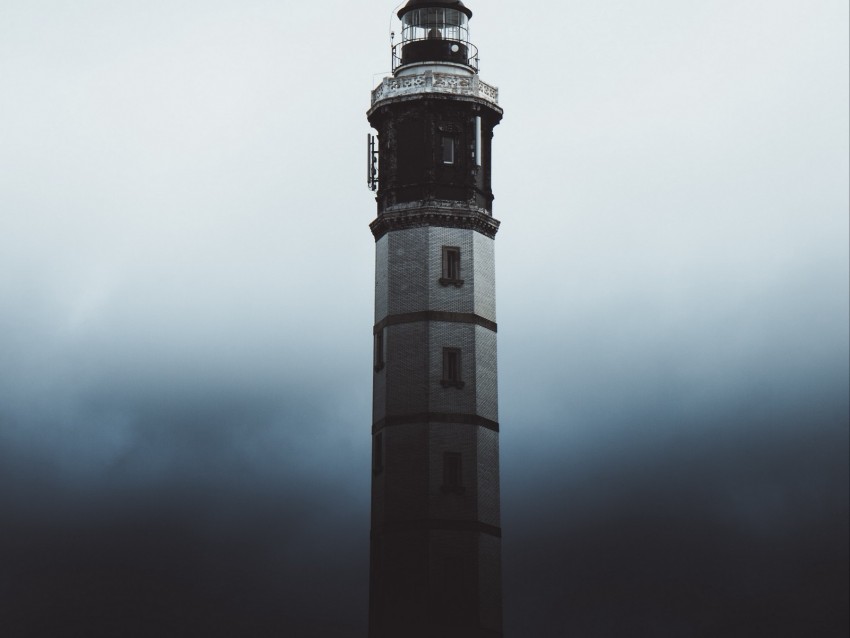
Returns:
(186, 290)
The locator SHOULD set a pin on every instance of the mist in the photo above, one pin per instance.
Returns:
(186, 294)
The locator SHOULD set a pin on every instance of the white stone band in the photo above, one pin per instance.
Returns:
(431, 82)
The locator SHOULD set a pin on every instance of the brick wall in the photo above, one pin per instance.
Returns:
(453, 574)
(408, 266)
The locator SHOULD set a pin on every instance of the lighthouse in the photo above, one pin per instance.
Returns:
(435, 557)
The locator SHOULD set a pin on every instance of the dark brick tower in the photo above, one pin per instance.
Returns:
(436, 539)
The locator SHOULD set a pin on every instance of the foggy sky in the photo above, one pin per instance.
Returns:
(186, 290)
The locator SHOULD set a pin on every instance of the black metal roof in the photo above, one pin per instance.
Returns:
(438, 4)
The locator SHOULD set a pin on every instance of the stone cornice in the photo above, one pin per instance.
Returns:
(430, 82)
(432, 215)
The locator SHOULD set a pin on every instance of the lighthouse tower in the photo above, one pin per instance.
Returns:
(436, 536)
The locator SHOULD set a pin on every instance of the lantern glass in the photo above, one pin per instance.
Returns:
(435, 24)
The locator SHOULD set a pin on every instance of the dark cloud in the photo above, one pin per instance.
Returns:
(214, 517)
(179, 560)
(737, 525)
(234, 513)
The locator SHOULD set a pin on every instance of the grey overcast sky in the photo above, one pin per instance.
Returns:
(186, 280)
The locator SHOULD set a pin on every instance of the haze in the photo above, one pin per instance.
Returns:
(186, 282)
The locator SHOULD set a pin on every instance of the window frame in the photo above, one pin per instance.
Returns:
(452, 368)
(451, 255)
(452, 146)
(378, 348)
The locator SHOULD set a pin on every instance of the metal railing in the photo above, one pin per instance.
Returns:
(466, 53)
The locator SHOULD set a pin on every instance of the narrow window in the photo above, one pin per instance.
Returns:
(452, 473)
(451, 368)
(451, 263)
(378, 453)
(448, 146)
(451, 267)
(379, 350)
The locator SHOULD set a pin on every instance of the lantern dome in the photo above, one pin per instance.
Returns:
(457, 5)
